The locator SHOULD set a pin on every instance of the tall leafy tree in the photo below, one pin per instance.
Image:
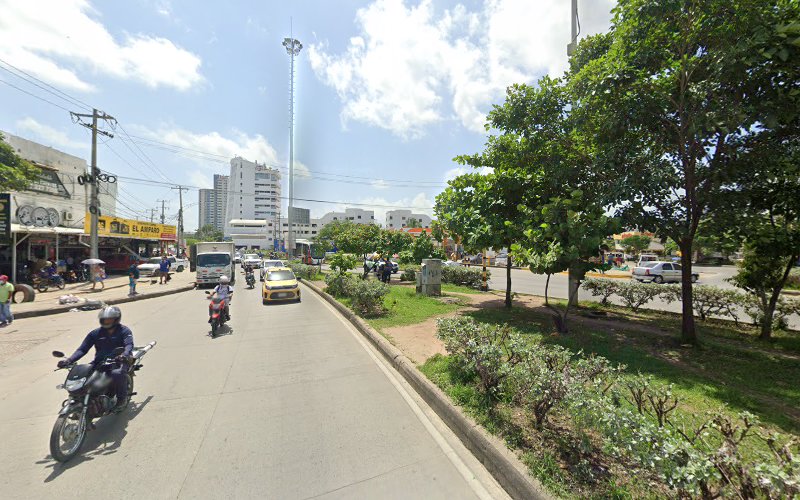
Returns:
(15, 173)
(209, 233)
(636, 243)
(666, 94)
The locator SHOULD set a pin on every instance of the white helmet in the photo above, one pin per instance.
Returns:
(224, 280)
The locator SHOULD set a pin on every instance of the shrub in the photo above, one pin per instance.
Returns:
(604, 288)
(755, 307)
(341, 262)
(303, 270)
(488, 350)
(712, 300)
(465, 276)
(341, 284)
(635, 294)
(409, 273)
(367, 296)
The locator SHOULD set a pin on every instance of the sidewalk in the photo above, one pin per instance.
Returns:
(115, 292)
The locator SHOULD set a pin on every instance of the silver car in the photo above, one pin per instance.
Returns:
(660, 272)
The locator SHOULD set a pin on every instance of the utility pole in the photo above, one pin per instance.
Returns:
(180, 189)
(573, 44)
(94, 203)
(293, 48)
(162, 209)
(573, 281)
(152, 215)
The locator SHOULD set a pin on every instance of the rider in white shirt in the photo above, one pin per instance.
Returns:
(224, 291)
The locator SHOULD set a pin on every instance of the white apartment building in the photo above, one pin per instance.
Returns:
(251, 233)
(213, 203)
(355, 215)
(254, 193)
(398, 219)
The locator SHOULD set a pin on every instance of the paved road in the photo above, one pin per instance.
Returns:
(291, 403)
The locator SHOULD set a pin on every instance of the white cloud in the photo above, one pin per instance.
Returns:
(201, 179)
(380, 184)
(250, 147)
(49, 135)
(301, 171)
(64, 43)
(408, 68)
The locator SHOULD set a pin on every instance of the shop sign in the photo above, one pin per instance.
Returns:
(5, 216)
(115, 227)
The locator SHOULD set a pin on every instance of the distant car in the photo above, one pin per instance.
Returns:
(451, 263)
(660, 272)
(647, 257)
(251, 259)
(121, 262)
(270, 264)
(370, 263)
(237, 259)
(153, 264)
(501, 259)
(280, 284)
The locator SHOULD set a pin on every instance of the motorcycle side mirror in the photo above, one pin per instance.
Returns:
(58, 354)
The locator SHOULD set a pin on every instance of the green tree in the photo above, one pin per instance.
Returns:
(423, 248)
(636, 243)
(16, 174)
(209, 233)
(412, 222)
(665, 96)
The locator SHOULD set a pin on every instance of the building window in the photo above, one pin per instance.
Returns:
(359, 216)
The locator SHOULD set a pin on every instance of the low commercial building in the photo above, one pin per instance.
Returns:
(354, 215)
(397, 219)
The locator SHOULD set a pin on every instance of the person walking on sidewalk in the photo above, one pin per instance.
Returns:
(6, 292)
(98, 275)
(133, 275)
(163, 267)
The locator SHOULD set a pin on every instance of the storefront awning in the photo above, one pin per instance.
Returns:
(19, 228)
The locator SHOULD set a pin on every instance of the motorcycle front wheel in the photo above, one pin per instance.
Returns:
(214, 326)
(67, 436)
(42, 287)
(61, 285)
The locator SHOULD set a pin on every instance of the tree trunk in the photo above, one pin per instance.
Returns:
(769, 310)
(688, 332)
(573, 284)
(508, 282)
(546, 288)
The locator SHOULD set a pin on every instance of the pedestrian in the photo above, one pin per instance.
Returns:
(163, 268)
(98, 276)
(387, 270)
(6, 293)
(133, 275)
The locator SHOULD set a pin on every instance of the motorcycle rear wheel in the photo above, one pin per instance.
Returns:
(42, 287)
(75, 428)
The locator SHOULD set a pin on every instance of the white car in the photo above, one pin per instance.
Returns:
(251, 259)
(660, 272)
(268, 264)
(153, 264)
(451, 263)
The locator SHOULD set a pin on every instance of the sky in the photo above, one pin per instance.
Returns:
(387, 92)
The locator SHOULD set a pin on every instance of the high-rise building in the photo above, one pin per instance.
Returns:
(254, 192)
(213, 203)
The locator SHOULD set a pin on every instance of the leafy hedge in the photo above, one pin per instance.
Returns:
(409, 272)
(366, 296)
(303, 270)
(634, 417)
(707, 300)
(465, 276)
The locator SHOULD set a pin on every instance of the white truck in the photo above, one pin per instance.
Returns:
(214, 259)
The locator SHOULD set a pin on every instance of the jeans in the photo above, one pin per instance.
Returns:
(5, 313)
(120, 379)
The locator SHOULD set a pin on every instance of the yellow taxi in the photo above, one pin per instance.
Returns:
(280, 283)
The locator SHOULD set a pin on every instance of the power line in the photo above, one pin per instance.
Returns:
(44, 85)
(34, 95)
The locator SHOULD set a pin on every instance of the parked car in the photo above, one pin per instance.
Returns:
(660, 272)
(501, 260)
(152, 265)
(120, 262)
(270, 264)
(451, 263)
(370, 263)
(647, 257)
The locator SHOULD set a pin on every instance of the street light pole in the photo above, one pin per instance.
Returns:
(573, 44)
(293, 47)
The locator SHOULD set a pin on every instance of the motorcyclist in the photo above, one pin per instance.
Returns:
(111, 335)
(224, 291)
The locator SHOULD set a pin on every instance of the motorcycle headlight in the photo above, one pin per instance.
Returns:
(74, 385)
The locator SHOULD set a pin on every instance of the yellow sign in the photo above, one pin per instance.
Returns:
(114, 227)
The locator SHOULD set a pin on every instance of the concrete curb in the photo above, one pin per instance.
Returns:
(121, 300)
(501, 462)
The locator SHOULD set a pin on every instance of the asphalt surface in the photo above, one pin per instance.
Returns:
(289, 403)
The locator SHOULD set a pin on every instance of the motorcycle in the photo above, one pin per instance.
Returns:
(91, 395)
(42, 283)
(250, 278)
(216, 310)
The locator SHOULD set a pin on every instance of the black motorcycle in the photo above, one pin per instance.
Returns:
(250, 278)
(91, 395)
(42, 283)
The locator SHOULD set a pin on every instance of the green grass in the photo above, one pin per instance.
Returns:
(448, 287)
(405, 307)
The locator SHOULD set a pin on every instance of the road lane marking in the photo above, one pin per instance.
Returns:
(470, 478)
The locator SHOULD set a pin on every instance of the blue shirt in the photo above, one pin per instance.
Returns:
(104, 343)
(164, 266)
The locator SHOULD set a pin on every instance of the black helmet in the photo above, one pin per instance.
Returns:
(110, 312)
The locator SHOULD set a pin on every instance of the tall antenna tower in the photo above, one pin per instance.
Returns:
(293, 47)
